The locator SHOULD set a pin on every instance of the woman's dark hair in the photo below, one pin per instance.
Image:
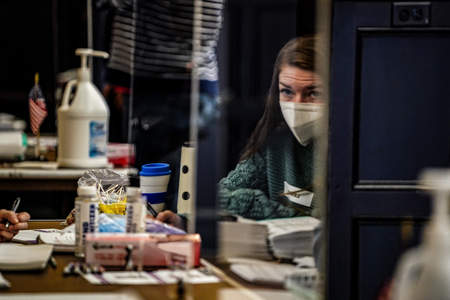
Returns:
(299, 52)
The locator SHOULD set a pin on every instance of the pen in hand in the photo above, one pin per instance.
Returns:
(296, 193)
(14, 209)
(151, 210)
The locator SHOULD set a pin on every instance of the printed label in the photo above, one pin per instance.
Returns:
(97, 139)
(298, 195)
(85, 229)
(78, 229)
(135, 217)
(130, 217)
(92, 217)
(86, 220)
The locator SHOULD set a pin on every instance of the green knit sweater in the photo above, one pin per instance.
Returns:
(253, 188)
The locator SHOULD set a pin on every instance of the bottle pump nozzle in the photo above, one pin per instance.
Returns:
(437, 181)
(84, 73)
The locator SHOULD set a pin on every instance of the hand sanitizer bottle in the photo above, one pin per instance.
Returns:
(424, 272)
(83, 123)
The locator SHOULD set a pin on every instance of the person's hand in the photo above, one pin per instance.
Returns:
(70, 219)
(170, 218)
(17, 221)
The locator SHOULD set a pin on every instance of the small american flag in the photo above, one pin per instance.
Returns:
(38, 109)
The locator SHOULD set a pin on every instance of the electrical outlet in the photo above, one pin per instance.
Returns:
(411, 13)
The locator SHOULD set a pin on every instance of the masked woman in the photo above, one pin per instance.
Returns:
(279, 155)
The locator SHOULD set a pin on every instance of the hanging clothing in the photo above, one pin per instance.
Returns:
(153, 38)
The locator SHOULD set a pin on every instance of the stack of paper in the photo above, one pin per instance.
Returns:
(263, 272)
(24, 257)
(284, 238)
(260, 294)
(194, 276)
(62, 240)
(27, 237)
(237, 239)
(291, 237)
(117, 295)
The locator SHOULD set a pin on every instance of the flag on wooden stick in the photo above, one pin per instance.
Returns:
(38, 112)
(38, 109)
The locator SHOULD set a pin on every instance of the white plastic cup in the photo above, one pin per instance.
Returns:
(154, 179)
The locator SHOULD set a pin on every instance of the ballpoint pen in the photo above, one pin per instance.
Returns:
(14, 209)
(52, 262)
(151, 210)
(296, 193)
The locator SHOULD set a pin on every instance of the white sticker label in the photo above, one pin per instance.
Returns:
(97, 139)
(298, 196)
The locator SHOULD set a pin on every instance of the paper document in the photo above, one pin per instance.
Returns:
(291, 237)
(194, 276)
(165, 276)
(302, 197)
(255, 294)
(243, 239)
(304, 262)
(73, 296)
(4, 284)
(62, 240)
(24, 257)
(263, 272)
(121, 277)
(26, 237)
(284, 226)
(287, 237)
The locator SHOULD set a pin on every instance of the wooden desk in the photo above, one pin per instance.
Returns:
(45, 193)
(13, 179)
(51, 280)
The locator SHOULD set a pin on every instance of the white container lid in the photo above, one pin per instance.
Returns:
(133, 191)
(90, 190)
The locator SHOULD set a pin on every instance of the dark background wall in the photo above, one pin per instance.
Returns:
(38, 36)
(254, 31)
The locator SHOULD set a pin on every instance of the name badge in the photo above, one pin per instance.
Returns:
(298, 195)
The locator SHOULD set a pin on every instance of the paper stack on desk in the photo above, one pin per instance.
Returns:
(165, 276)
(284, 238)
(291, 237)
(16, 257)
(62, 240)
(263, 272)
(238, 239)
(117, 295)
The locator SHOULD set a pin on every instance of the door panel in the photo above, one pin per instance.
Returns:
(389, 113)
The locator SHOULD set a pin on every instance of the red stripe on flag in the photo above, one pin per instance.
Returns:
(38, 112)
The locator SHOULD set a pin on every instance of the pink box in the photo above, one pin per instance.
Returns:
(110, 249)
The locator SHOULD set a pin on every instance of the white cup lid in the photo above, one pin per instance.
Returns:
(133, 191)
(87, 190)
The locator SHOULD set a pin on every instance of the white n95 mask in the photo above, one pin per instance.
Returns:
(302, 119)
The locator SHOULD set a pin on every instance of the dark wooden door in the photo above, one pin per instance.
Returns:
(389, 109)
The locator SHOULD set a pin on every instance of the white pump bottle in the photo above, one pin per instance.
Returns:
(424, 272)
(83, 123)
